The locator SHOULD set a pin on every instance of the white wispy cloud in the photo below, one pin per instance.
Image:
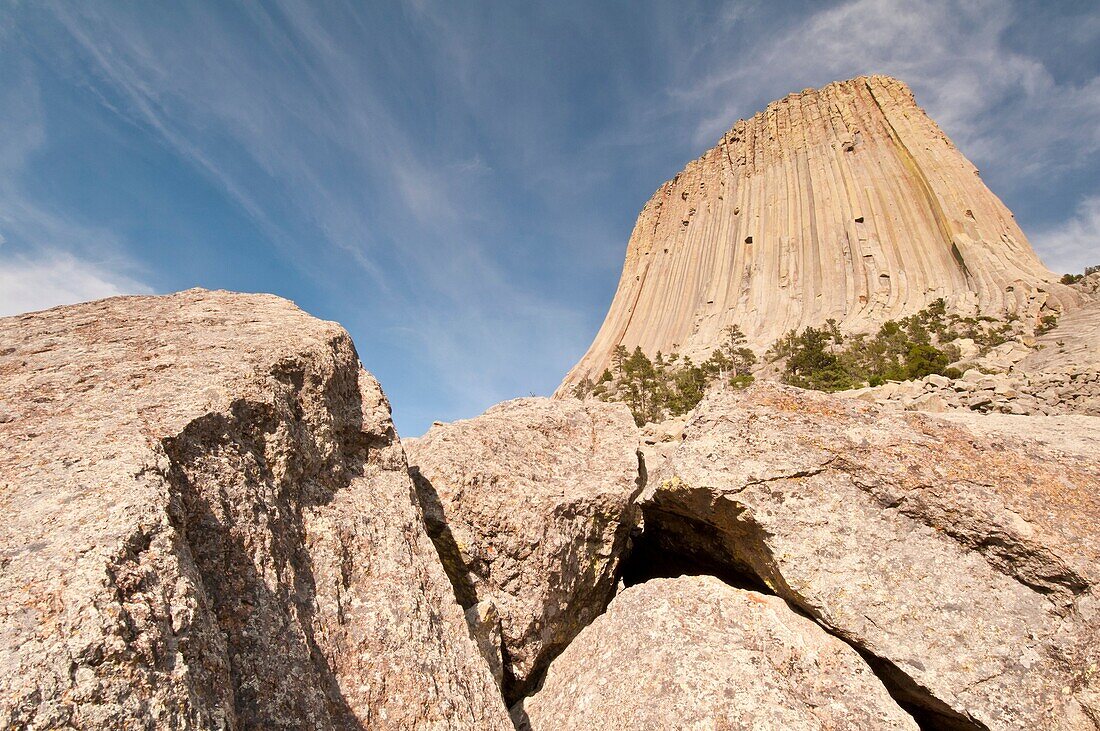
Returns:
(48, 279)
(1074, 244)
(47, 257)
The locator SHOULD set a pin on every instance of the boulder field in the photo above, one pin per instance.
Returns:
(210, 523)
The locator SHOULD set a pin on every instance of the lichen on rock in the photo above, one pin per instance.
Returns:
(531, 507)
(209, 524)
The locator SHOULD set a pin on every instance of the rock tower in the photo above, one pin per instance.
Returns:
(846, 202)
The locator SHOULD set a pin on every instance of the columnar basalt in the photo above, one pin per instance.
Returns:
(846, 202)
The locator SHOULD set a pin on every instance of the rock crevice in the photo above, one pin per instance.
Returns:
(531, 506)
(959, 567)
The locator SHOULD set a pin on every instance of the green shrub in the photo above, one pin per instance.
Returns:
(671, 385)
(1046, 324)
(822, 359)
(924, 360)
(742, 381)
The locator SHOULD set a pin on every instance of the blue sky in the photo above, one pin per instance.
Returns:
(455, 182)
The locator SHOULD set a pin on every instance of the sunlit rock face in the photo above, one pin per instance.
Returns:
(846, 202)
(208, 523)
(531, 508)
(959, 555)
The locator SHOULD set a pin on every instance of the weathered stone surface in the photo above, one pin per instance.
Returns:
(963, 561)
(209, 524)
(484, 622)
(1049, 393)
(845, 202)
(695, 653)
(530, 505)
(1072, 346)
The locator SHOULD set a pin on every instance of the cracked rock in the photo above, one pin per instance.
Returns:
(961, 559)
(209, 524)
(531, 507)
(693, 652)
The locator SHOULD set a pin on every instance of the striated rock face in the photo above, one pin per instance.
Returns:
(694, 653)
(961, 557)
(530, 505)
(1074, 345)
(208, 523)
(846, 202)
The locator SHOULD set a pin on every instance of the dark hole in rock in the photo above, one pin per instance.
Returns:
(673, 545)
(748, 239)
(657, 554)
(859, 219)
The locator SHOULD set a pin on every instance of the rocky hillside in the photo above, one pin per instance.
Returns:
(1055, 373)
(844, 203)
(211, 524)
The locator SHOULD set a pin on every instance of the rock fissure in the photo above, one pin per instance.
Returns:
(534, 526)
(1031, 565)
(935, 554)
(674, 545)
(233, 544)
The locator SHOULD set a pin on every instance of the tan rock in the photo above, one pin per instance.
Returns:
(931, 403)
(484, 622)
(694, 653)
(845, 202)
(209, 524)
(531, 507)
(964, 562)
(967, 348)
(1073, 345)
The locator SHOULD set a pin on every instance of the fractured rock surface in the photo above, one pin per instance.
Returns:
(531, 507)
(1043, 394)
(1072, 346)
(845, 202)
(209, 524)
(960, 556)
(695, 653)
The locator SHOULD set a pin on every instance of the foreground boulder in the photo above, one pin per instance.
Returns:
(530, 505)
(963, 562)
(694, 652)
(208, 523)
